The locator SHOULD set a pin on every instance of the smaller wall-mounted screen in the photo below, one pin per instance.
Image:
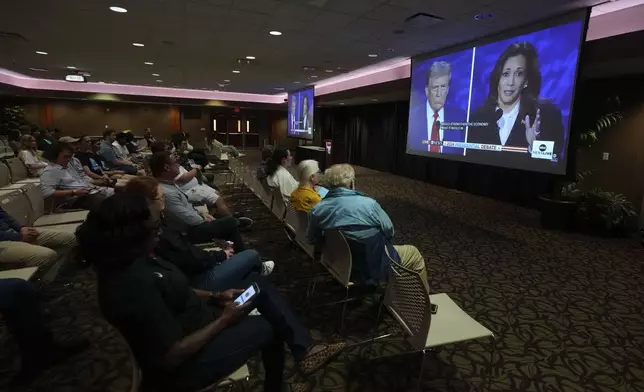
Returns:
(300, 113)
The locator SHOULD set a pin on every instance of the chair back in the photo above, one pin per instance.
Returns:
(407, 299)
(16, 204)
(36, 200)
(5, 175)
(278, 207)
(17, 168)
(302, 231)
(336, 256)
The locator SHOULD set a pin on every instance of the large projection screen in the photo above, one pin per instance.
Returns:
(300, 113)
(505, 101)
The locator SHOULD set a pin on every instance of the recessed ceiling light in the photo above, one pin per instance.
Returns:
(296, 82)
(275, 32)
(226, 80)
(328, 70)
(374, 100)
(137, 44)
(372, 55)
(279, 88)
(159, 81)
(156, 75)
(313, 76)
(118, 9)
(250, 57)
(71, 67)
(39, 69)
(341, 103)
(482, 16)
(40, 52)
(148, 63)
(235, 71)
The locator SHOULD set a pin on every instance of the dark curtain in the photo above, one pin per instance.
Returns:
(375, 136)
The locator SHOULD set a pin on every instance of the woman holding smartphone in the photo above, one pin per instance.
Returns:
(186, 339)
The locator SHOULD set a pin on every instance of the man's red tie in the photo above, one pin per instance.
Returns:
(435, 134)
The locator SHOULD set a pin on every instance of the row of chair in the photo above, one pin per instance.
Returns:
(406, 297)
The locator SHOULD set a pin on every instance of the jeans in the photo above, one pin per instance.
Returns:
(20, 308)
(235, 269)
(225, 228)
(236, 344)
(131, 170)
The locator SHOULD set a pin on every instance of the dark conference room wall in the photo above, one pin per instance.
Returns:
(76, 117)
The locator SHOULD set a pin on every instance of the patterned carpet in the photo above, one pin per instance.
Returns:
(567, 309)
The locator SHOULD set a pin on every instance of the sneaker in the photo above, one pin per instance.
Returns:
(245, 222)
(267, 267)
(209, 166)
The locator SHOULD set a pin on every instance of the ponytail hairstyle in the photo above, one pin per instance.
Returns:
(273, 163)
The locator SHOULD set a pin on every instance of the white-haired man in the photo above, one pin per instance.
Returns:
(365, 225)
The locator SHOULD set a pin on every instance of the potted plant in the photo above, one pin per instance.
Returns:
(559, 210)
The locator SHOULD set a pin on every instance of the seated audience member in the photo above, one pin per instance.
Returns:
(148, 137)
(45, 140)
(182, 215)
(365, 225)
(197, 155)
(23, 246)
(267, 153)
(61, 181)
(131, 144)
(278, 174)
(226, 148)
(192, 182)
(76, 167)
(94, 166)
(185, 339)
(108, 152)
(29, 155)
(206, 270)
(38, 350)
(305, 197)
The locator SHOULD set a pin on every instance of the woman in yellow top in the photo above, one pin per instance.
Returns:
(304, 197)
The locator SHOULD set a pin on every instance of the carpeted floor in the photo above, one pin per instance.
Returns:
(567, 309)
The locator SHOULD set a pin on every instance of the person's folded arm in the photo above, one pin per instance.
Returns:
(91, 174)
(182, 210)
(381, 217)
(14, 224)
(187, 176)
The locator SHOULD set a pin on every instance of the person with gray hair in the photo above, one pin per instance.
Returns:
(431, 123)
(304, 197)
(365, 225)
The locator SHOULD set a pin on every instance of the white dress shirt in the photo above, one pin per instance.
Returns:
(506, 123)
(430, 124)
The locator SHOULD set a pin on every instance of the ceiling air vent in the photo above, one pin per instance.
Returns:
(9, 36)
(422, 21)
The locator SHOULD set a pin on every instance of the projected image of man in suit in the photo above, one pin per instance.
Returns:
(438, 114)
(293, 113)
(305, 118)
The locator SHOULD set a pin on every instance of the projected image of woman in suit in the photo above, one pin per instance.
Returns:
(513, 111)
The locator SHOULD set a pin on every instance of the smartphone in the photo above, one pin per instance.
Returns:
(93, 191)
(247, 295)
(322, 191)
(434, 308)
